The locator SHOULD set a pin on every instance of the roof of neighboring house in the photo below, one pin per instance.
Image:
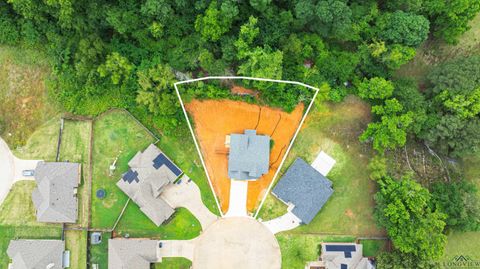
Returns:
(149, 172)
(249, 155)
(55, 195)
(131, 253)
(33, 254)
(344, 256)
(305, 188)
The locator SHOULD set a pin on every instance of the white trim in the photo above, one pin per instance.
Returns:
(288, 149)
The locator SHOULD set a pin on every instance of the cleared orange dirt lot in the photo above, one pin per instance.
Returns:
(214, 119)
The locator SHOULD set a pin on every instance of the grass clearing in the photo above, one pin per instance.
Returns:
(182, 225)
(23, 96)
(434, 52)
(98, 254)
(76, 242)
(335, 128)
(174, 263)
(42, 144)
(8, 233)
(298, 249)
(116, 135)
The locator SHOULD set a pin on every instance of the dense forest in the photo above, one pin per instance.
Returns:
(128, 53)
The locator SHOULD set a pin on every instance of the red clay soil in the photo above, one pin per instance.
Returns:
(213, 120)
(243, 91)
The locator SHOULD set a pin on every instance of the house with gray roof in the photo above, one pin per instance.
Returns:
(36, 254)
(341, 256)
(304, 190)
(249, 155)
(132, 253)
(150, 171)
(55, 197)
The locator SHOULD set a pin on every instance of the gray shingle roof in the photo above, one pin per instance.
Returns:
(304, 187)
(36, 254)
(131, 253)
(249, 155)
(55, 195)
(148, 183)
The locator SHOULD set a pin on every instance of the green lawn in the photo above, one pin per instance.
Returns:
(74, 148)
(23, 96)
(8, 233)
(116, 134)
(183, 152)
(76, 242)
(174, 263)
(372, 248)
(18, 209)
(183, 225)
(98, 254)
(298, 249)
(334, 128)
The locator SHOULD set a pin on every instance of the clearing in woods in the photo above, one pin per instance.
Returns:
(213, 120)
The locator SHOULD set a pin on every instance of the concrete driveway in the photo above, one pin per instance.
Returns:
(11, 169)
(176, 248)
(187, 194)
(283, 223)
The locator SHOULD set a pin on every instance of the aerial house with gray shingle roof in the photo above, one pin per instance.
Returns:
(36, 254)
(150, 171)
(55, 197)
(304, 190)
(132, 253)
(249, 155)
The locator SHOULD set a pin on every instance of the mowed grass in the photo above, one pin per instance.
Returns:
(24, 103)
(98, 254)
(372, 247)
(18, 208)
(116, 135)
(183, 152)
(76, 243)
(74, 148)
(335, 128)
(42, 144)
(298, 249)
(182, 225)
(174, 263)
(8, 233)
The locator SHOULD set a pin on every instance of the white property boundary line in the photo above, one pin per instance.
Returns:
(289, 146)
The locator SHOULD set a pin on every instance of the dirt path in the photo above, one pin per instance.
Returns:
(214, 119)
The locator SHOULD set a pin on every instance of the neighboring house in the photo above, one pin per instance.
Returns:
(132, 253)
(341, 256)
(55, 197)
(249, 155)
(304, 190)
(150, 171)
(36, 254)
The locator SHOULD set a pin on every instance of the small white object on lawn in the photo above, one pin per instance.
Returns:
(323, 163)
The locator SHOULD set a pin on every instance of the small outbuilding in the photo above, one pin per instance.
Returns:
(304, 189)
(249, 156)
